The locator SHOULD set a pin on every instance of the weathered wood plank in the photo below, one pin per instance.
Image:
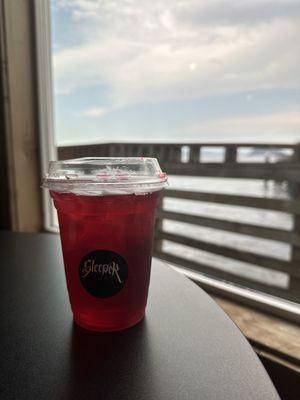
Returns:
(229, 252)
(236, 227)
(165, 152)
(227, 276)
(205, 144)
(274, 334)
(277, 171)
(289, 206)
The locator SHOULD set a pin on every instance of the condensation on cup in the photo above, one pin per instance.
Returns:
(106, 212)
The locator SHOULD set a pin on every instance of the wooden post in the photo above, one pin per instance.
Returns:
(174, 155)
(295, 281)
(230, 154)
(160, 153)
(195, 153)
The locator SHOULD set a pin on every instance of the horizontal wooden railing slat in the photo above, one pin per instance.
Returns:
(229, 252)
(288, 206)
(138, 145)
(227, 276)
(279, 172)
(234, 227)
(169, 156)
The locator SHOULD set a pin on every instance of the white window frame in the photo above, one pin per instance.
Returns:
(267, 303)
(48, 148)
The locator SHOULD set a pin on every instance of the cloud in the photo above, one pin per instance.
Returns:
(96, 112)
(280, 127)
(236, 12)
(155, 51)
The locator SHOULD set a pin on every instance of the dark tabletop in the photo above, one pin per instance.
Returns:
(185, 348)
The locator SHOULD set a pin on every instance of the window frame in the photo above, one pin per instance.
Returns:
(48, 152)
(48, 149)
(19, 131)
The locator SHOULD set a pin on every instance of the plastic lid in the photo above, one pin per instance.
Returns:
(105, 175)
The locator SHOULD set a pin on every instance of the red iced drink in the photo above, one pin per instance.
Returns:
(107, 234)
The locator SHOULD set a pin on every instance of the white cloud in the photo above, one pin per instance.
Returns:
(237, 12)
(96, 112)
(146, 51)
(280, 127)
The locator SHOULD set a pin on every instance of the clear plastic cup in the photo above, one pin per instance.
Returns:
(106, 212)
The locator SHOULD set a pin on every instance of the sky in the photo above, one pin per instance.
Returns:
(176, 70)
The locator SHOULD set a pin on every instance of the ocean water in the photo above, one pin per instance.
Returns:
(241, 214)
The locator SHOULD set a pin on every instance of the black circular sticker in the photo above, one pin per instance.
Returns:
(103, 273)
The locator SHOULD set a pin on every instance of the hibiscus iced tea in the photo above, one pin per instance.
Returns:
(106, 213)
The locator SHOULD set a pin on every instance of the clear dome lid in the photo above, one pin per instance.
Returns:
(105, 175)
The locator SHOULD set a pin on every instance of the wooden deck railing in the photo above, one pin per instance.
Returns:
(185, 159)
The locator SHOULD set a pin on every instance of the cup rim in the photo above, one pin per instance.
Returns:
(96, 175)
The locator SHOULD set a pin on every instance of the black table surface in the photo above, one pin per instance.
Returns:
(185, 348)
